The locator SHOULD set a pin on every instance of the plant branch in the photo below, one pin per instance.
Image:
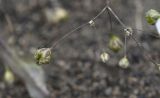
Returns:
(138, 43)
(79, 27)
(115, 15)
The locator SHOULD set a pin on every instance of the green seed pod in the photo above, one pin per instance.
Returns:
(9, 77)
(104, 57)
(115, 44)
(43, 55)
(152, 16)
(124, 62)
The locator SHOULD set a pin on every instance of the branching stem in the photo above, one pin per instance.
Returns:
(77, 28)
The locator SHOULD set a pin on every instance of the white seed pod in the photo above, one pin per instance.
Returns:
(124, 62)
(92, 23)
(104, 57)
(57, 15)
(128, 31)
(43, 55)
(9, 77)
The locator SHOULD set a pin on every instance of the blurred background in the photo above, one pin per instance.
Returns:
(76, 70)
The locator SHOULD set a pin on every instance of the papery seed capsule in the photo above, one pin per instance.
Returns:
(92, 23)
(124, 62)
(152, 16)
(115, 44)
(104, 57)
(43, 55)
(57, 15)
(128, 31)
(9, 77)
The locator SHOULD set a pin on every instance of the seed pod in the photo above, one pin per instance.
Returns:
(124, 62)
(92, 23)
(104, 57)
(43, 55)
(115, 44)
(128, 31)
(57, 15)
(9, 77)
(152, 16)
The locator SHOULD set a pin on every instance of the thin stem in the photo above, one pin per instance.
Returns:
(138, 43)
(155, 35)
(100, 13)
(67, 34)
(115, 15)
(142, 48)
(77, 28)
(110, 20)
(125, 45)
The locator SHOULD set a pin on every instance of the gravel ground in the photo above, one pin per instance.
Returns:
(76, 70)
